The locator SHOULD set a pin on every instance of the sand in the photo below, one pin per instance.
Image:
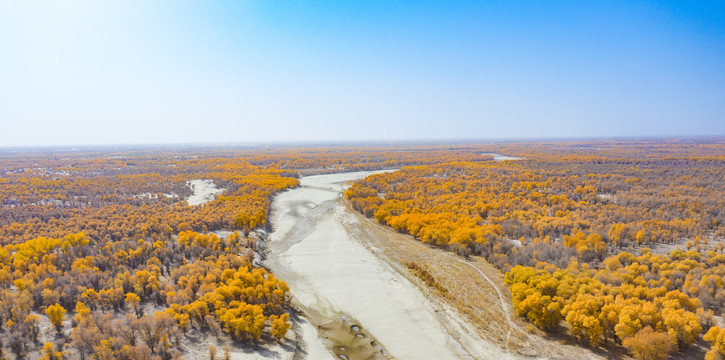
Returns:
(203, 191)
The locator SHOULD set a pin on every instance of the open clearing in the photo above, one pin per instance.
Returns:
(203, 191)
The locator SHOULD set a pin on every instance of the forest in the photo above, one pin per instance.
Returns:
(618, 243)
(101, 247)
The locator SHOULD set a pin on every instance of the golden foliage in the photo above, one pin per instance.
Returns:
(111, 232)
(562, 224)
(650, 345)
(56, 313)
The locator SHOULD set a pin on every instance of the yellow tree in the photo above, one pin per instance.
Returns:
(198, 310)
(56, 313)
(616, 233)
(50, 354)
(650, 345)
(583, 315)
(629, 322)
(280, 325)
(244, 321)
(82, 312)
(716, 337)
(534, 295)
(540, 309)
(134, 302)
(682, 326)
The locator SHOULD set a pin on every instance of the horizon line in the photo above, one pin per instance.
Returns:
(363, 143)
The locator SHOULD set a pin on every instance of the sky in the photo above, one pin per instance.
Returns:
(80, 72)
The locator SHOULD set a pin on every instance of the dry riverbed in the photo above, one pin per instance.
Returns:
(361, 306)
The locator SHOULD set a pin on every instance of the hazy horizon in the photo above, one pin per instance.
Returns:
(362, 143)
(81, 73)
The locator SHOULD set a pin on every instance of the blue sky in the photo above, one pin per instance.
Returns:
(130, 72)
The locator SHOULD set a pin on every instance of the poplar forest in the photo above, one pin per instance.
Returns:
(616, 247)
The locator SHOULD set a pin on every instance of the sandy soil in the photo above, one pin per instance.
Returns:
(499, 157)
(203, 191)
(362, 306)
